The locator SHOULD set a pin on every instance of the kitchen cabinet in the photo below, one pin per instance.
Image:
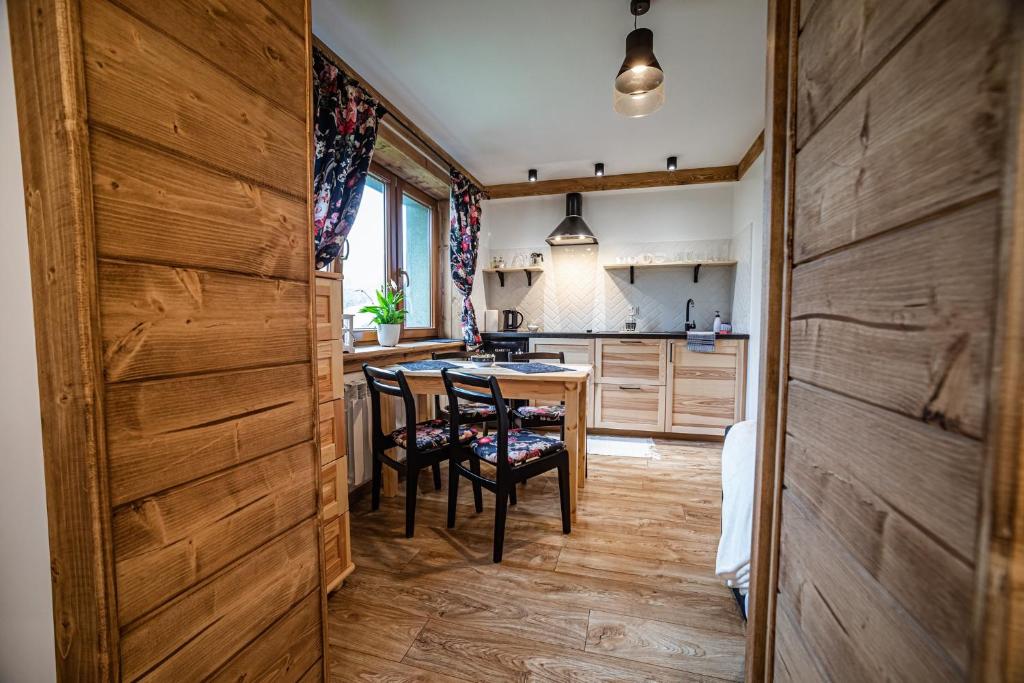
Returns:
(576, 351)
(706, 392)
(629, 406)
(631, 361)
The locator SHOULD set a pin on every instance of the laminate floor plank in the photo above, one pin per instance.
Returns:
(629, 595)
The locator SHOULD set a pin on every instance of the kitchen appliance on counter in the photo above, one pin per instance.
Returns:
(511, 320)
(501, 348)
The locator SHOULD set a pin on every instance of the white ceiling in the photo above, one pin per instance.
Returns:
(507, 85)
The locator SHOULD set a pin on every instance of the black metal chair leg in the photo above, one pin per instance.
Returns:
(563, 495)
(500, 509)
(437, 476)
(375, 496)
(512, 495)
(478, 496)
(453, 492)
(412, 475)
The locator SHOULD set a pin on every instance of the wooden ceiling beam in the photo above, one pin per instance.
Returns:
(624, 181)
(396, 113)
(754, 151)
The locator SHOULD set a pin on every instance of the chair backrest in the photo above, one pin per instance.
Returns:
(391, 383)
(455, 385)
(452, 355)
(536, 355)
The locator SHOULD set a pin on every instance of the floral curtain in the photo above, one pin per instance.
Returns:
(464, 243)
(345, 130)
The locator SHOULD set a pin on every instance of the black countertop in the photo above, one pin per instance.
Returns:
(526, 334)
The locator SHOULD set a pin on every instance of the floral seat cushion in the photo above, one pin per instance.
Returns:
(542, 413)
(523, 446)
(477, 411)
(432, 434)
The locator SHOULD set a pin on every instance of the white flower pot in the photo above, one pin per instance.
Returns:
(387, 335)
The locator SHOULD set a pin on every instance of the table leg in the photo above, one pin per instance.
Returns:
(572, 439)
(581, 470)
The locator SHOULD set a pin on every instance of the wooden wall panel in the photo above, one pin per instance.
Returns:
(169, 432)
(284, 653)
(174, 224)
(249, 44)
(897, 227)
(141, 82)
(829, 69)
(188, 533)
(194, 635)
(854, 627)
(925, 132)
(160, 321)
(155, 208)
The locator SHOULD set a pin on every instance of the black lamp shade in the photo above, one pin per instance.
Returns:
(640, 71)
(532, 175)
(670, 163)
(598, 169)
(573, 230)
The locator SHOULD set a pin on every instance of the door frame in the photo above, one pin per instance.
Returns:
(780, 96)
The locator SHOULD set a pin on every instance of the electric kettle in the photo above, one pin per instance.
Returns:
(511, 319)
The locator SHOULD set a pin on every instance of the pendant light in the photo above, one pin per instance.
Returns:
(640, 83)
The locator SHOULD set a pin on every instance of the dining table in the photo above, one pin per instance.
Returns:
(564, 383)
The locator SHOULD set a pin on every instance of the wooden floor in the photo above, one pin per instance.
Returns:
(630, 595)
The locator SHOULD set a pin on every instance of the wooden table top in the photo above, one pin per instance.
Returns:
(574, 373)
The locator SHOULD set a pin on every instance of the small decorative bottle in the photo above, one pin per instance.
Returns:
(717, 327)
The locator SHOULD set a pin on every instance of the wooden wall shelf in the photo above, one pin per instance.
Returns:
(529, 270)
(696, 265)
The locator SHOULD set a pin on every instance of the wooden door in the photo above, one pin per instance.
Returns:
(172, 237)
(896, 227)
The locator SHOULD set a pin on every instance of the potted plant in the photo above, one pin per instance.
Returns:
(387, 313)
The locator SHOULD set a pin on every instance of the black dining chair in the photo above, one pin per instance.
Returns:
(517, 454)
(430, 446)
(475, 414)
(536, 417)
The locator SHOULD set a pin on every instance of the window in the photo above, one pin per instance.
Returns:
(394, 238)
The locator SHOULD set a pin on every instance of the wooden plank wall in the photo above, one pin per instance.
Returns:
(198, 168)
(899, 161)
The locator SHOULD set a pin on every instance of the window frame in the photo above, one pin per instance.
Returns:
(395, 187)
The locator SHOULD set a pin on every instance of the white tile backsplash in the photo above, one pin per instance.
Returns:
(576, 293)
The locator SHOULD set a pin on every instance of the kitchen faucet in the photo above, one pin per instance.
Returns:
(690, 324)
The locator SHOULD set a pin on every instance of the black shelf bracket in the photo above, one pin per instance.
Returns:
(696, 272)
(529, 278)
(501, 278)
(632, 274)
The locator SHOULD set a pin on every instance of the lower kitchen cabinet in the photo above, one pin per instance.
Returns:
(629, 406)
(656, 385)
(706, 391)
(575, 351)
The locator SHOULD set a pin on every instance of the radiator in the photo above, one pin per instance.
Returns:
(359, 423)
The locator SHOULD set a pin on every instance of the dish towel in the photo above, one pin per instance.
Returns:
(738, 455)
(701, 342)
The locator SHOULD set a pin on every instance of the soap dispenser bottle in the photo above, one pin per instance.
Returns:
(717, 327)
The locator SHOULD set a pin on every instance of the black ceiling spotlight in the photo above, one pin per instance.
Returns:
(671, 164)
(573, 229)
(598, 169)
(532, 175)
(640, 83)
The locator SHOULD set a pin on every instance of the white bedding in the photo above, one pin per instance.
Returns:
(738, 455)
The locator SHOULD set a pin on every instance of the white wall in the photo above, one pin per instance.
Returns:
(26, 624)
(748, 249)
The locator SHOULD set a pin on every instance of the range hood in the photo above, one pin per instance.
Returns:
(573, 229)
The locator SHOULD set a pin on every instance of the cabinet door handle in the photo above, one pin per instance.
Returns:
(631, 341)
(630, 388)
